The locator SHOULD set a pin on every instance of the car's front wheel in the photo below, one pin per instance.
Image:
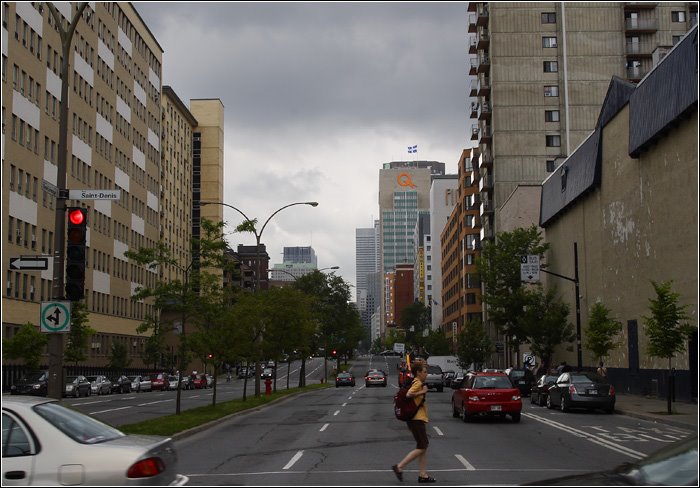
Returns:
(549, 401)
(515, 417)
(563, 405)
(465, 414)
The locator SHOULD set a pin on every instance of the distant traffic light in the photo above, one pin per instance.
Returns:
(75, 253)
(334, 353)
(210, 356)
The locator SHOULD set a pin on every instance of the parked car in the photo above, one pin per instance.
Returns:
(140, 383)
(447, 377)
(486, 394)
(344, 379)
(673, 465)
(244, 372)
(434, 378)
(159, 381)
(34, 383)
(54, 445)
(267, 373)
(77, 386)
(540, 392)
(199, 381)
(186, 383)
(581, 390)
(522, 379)
(121, 384)
(210, 381)
(100, 384)
(375, 377)
(172, 382)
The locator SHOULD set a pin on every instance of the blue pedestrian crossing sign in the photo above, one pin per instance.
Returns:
(55, 316)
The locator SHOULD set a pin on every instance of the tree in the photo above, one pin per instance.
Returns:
(667, 327)
(544, 321)
(79, 335)
(436, 344)
(119, 359)
(415, 319)
(474, 345)
(602, 331)
(499, 271)
(27, 344)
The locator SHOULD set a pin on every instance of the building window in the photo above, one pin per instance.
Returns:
(676, 39)
(549, 17)
(678, 16)
(551, 91)
(551, 115)
(553, 141)
(550, 66)
(550, 165)
(549, 42)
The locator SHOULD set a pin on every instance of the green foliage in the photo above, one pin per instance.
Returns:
(79, 335)
(499, 271)
(667, 327)
(437, 344)
(544, 321)
(602, 331)
(473, 345)
(119, 357)
(415, 319)
(27, 344)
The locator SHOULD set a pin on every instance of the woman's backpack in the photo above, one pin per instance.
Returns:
(405, 408)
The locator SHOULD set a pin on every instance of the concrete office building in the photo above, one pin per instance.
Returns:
(299, 254)
(443, 198)
(126, 132)
(366, 262)
(540, 75)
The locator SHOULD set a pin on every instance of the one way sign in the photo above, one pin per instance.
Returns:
(37, 263)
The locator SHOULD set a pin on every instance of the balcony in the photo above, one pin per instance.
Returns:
(485, 135)
(636, 74)
(473, 88)
(482, 17)
(473, 65)
(483, 86)
(486, 183)
(475, 132)
(484, 111)
(484, 63)
(474, 110)
(485, 160)
(471, 22)
(476, 152)
(486, 233)
(472, 45)
(487, 207)
(472, 6)
(641, 26)
(638, 50)
(483, 40)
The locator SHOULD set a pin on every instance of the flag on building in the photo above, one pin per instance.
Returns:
(413, 149)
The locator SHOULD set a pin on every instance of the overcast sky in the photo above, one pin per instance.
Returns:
(317, 97)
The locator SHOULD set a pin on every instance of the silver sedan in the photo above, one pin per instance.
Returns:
(45, 443)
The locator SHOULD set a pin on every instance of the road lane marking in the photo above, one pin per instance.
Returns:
(151, 403)
(87, 403)
(336, 413)
(439, 432)
(110, 410)
(344, 404)
(325, 426)
(464, 462)
(590, 437)
(294, 459)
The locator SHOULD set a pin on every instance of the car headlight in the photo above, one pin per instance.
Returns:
(36, 387)
(473, 398)
(69, 387)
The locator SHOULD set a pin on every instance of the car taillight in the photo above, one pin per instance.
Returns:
(612, 390)
(146, 468)
(572, 390)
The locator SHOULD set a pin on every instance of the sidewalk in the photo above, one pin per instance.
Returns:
(685, 415)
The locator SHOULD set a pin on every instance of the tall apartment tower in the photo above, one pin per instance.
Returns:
(126, 132)
(299, 254)
(366, 260)
(540, 74)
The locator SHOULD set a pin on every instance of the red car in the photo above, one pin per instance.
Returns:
(486, 394)
(159, 381)
(199, 381)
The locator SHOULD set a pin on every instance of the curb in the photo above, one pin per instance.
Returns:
(661, 420)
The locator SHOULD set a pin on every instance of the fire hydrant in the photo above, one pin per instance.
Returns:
(268, 386)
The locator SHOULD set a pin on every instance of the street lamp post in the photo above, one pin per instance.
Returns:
(55, 381)
(296, 277)
(258, 236)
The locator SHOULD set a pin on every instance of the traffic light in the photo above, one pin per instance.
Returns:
(334, 353)
(210, 356)
(75, 253)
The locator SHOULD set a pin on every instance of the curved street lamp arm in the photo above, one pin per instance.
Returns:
(313, 204)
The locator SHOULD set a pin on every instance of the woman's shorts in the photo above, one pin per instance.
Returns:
(417, 428)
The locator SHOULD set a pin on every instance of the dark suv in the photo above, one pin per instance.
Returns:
(34, 383)
(522, 379)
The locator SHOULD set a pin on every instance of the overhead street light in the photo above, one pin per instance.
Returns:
(297, 277)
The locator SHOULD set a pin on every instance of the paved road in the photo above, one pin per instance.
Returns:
(349, 436)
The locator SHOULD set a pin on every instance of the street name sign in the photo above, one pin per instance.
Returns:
(38, 263)
(94, 194)
(530, 268)
(55, 316)
(49, 187)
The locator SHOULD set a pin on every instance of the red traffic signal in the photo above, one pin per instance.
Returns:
(210, 356)
(75, 253)
(76, 216)
(334, 353)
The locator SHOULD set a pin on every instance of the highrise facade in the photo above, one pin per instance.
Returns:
(126, 132)
(366, 262)
(540, 74)
(299, 254)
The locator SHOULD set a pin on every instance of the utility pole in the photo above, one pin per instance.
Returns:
(55, 381)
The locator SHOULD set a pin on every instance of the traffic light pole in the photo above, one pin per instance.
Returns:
(55, 382)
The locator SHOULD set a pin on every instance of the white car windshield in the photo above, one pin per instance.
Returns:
(75, 425)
